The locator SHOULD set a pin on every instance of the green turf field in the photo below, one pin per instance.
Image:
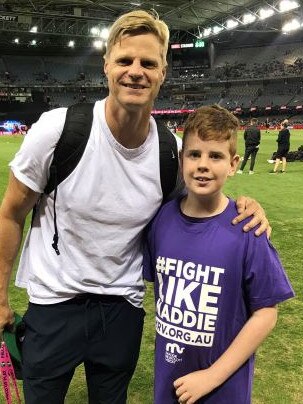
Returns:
(279, 364)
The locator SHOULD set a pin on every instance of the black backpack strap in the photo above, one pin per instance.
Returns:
(68, 152)
(71, 145)
(168, 160)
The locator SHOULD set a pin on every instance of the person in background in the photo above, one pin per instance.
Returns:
(267, 125)
(283, 148)
(86, 304)
(216, 288)
(252, 137)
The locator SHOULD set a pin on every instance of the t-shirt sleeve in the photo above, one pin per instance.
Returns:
(31, 163)
(266, 283)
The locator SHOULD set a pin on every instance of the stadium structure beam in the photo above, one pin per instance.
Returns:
(207, 7)
(50, 24)
(269, 24)
(32, 4)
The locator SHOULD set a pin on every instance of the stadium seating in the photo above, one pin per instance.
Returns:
(268, 76)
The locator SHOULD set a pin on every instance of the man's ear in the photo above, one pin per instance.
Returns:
(105, 68)
(164, 70)
(233, 165)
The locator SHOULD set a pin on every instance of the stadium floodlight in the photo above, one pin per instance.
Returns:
(98, 44)
(33, 42)
(95, 31)
(292, 25)
(265, 13)
(206, 32)
(248, 18)
(231, 23)
(34, 29)
(104, 33)
(217, 29)
(16, 40)
(287, 5)
(71, 44)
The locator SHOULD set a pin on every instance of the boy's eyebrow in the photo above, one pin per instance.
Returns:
(192, 150)
(201, 149)
(216, 151)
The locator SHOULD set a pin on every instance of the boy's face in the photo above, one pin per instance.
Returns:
(206, 165)
(135, 71)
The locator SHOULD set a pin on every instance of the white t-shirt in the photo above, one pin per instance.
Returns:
(102, 209)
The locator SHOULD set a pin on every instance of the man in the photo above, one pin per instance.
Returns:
(86, 303)
(252, 137)
(283, 147)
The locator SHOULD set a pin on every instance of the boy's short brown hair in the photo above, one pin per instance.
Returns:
(139, 22)
(212, 123)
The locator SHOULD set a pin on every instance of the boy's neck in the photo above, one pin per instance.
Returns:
(204, 206)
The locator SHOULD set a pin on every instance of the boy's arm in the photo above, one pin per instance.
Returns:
(249, 207)
(193, 386)
(17, 203)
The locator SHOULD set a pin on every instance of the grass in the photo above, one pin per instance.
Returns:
(279, 363)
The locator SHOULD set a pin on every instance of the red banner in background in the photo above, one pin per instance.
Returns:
(171, 111)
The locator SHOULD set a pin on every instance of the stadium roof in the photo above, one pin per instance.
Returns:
(187, 19)
(179, 14)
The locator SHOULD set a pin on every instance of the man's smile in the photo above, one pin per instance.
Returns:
(134, 86)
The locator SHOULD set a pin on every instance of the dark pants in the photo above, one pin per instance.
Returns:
(104, 332)
(249, 151)
(282, 151)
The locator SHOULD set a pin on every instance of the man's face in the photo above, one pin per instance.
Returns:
(135, 71)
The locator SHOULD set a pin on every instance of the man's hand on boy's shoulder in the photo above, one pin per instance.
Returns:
(250, 207)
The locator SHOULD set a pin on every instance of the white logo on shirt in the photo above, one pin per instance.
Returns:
(170, 355)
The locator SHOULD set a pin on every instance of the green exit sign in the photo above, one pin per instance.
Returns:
(199, 44)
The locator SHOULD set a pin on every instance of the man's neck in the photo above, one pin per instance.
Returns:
(130, 128)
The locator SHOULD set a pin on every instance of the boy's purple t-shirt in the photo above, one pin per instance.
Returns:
(209, 277)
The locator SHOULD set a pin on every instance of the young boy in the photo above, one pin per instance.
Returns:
(216, 287)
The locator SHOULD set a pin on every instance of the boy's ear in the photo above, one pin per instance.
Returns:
(180, 158)
(181, 162)
(233, 165)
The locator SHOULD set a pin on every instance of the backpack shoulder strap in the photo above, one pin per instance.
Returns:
(71, 145)
(168, 159)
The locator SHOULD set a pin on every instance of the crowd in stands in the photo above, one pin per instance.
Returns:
(273, 69)
(51, 71)
(271, 76)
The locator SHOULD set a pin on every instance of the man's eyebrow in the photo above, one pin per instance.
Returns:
(144, 59)
(127, 57)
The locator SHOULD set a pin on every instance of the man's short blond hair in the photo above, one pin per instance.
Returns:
(137, 23)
